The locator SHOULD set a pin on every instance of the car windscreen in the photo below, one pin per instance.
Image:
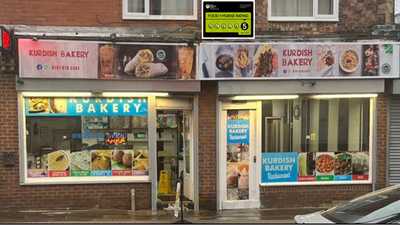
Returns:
(368, 208)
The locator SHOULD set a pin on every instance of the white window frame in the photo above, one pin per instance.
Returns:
(316, 17)
(146, 14)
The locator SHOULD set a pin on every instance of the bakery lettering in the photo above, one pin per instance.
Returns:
(109, 105)
(297, 57)
(55, 53)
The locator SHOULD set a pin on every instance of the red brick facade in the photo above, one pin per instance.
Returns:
(356, 16)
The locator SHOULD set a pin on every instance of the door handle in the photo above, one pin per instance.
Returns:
(254, 159)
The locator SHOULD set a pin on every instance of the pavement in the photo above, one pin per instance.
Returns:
(147, 216)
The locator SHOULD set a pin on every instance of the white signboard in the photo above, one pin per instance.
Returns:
(57, 59)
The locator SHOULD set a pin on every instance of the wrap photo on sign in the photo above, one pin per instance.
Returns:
(109, 61)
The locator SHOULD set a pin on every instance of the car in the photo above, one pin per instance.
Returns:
(381, 206)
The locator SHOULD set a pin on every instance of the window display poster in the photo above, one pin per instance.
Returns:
(314, 166)
(238, 127)
(45, 106)
(279, 167)
(238, 155)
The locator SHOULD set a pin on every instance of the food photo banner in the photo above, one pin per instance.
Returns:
(95, 60)
(295, 167)
(298, 60)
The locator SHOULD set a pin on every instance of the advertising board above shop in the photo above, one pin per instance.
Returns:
(100, 60)
(220, 61)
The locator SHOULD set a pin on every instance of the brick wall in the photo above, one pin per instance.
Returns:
(207, 145)
(310, 196)
(356, 16)
(381, 145)
(105, 13)
(13, 195)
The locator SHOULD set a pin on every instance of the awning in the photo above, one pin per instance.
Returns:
(66, 85)
(263, 87)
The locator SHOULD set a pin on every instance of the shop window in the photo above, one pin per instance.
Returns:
(303, 10)
(86, 139)
(316, 140)
(159, 9)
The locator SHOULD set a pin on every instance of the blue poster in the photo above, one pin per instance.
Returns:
(279, 167)
(238, 132)
(86, 106)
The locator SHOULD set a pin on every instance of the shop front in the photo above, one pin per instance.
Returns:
(289, 134)
(102, 114)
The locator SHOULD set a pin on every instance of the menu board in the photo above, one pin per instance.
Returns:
(297, 60)
(314, 166)
(95, 60)
(238, 155)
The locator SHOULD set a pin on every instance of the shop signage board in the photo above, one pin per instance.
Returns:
(295, 167)
(108, 61)
(222, 19)
(234, 61)
(86, 106)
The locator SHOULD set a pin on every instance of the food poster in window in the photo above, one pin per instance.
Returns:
(306, 161)
(80, 163)
(238, 154)
(147, 61)
(37, 166)
(279, 167)
(343, 166)
(121, 162)
(59, 163)
(360, 165)
(140, 162)
(101, 163)
(325, 166)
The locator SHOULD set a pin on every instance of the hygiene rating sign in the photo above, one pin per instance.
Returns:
(224, 19)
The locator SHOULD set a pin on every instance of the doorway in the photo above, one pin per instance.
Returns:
(239, 138)
(174, 153)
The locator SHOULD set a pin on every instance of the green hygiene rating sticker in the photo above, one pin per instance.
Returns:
(228, 19)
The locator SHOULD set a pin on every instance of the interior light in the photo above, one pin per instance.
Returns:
(56, 94)
(264, 97)
(344, 96)
(134, 94)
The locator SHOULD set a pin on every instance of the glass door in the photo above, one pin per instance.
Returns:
(238, 170)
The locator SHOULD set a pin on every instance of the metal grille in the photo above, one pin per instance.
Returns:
(394, 141)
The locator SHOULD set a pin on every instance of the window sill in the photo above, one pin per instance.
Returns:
(316, 183)
(84, 180)
(302, 19)
(144, 17)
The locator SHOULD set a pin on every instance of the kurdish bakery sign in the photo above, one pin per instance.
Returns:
(95, 60)
(298, 60)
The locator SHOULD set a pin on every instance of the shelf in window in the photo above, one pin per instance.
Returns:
(140, 140)
(166, 140)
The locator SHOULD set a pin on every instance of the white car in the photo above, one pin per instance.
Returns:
(382, 206)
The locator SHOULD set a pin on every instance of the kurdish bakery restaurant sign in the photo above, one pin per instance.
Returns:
(298, 60)
(95, 60)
